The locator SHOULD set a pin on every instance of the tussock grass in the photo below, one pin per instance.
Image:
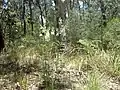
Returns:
(53, 70)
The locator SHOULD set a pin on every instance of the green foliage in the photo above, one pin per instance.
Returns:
(75, 28)
(112, 34)
(83, 27)
(87, 45)
(93, 82)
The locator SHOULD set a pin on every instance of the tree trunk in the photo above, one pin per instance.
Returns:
(103, 10)
(45, 13)
(31, 20)
(41, 12)
(57, 16)
(2, 45)
(23, 17)
(104, 24)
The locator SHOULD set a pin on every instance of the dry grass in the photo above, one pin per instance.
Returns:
(40, 68)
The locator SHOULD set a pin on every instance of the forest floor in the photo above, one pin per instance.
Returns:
(63, 72)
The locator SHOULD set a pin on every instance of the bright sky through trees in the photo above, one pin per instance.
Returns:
(5, 6)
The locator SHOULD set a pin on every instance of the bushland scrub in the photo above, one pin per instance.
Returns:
(60, 45)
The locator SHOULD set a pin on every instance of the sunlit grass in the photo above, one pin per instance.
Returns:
(46, 63)
(93, 81)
